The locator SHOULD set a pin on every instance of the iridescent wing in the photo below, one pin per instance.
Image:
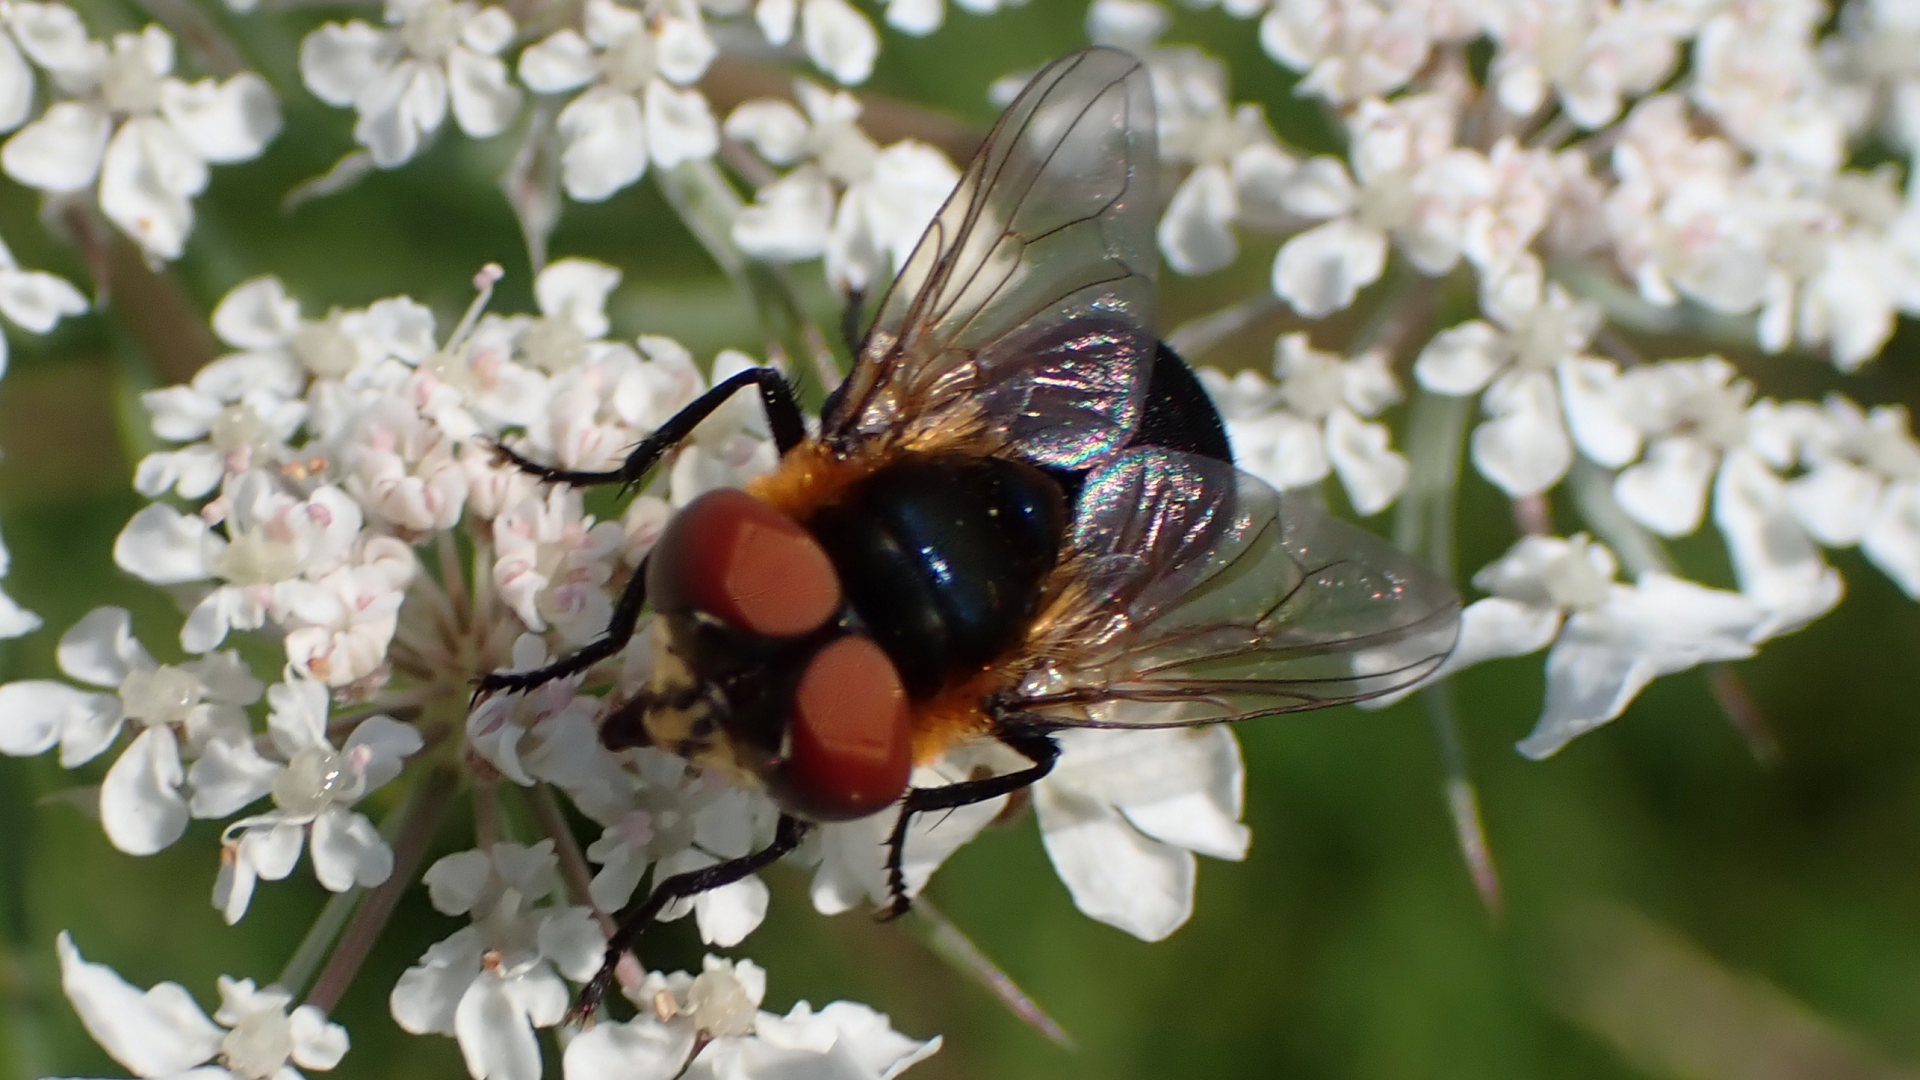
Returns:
(1199, 594)
(1024, 316)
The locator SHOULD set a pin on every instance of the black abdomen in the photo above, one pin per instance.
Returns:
(942, 557)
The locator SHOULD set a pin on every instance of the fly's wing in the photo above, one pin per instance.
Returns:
(1198, 593)
(1024, 315)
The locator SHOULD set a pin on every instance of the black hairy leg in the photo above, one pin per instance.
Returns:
(789, 430)
(787, 836)
(1032, 741)
(783, 415)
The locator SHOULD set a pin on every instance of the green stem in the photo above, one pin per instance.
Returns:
(420, 818)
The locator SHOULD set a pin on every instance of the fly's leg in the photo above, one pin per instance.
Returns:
(789, 430)
(620, 628)
(786, 837)
(850, 319)
(1033, 742)
(783, 415)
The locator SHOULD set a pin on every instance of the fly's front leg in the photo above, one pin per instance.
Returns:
(1032, 741)
(783, 416)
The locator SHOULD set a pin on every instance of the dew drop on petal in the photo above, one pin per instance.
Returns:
(720, 1004)
(315, 778)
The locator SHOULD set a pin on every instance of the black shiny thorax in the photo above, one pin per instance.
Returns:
(942, 558)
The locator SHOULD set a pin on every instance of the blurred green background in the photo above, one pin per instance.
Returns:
(1778, 909)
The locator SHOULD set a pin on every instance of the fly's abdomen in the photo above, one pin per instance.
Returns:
(942, 557)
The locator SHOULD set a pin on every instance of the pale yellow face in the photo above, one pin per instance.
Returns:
(692, 731)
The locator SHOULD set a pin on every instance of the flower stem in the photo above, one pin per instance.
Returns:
(420, 818)
(319, 939)
(1593, 494)
(1436, 439)
(1197, 337)
(959, 951)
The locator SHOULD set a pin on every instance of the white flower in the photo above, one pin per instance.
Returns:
(1608, 640)
(709, 1027)
(33, 300)
(273, 541)
(551, 734)
(1407, 184)
(493, 982)
(1240, 173)
(313, 785)
(1348, 49)
(639, 104)
(341, 625)
(886, 196)
(553, 564)
(678, 821)
(1861, 483)
(1123, 813)
(180, 712)
(1589, 53)
(146, 136)
(400, 81)
(1537, 382)
(1317, 419)
(1757, 73)
(161, 1032)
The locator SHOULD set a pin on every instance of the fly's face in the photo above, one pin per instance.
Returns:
(760, 669)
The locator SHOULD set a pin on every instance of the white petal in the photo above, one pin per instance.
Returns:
(1323, 269)
(384, 742)
(1591, 393)
(338, 62)
(146, 179)
(484, 100)
(1205, 819)
(155, 1033)
(35, 713)
(775, 19)
(426, 996)
(1372, 473)
(400, 108)
(1196, 233)
(348, 851)
(257, 314)
(274, 850)
(1320, 188)
(640, 1050)
(1667, 492)
(1774, 560)
(101, 649)
(61, 150)
(1524, 449)
(1283, 449)
(141, 807)
(1608, 655)
(574, 942)
(1893, 541)
(36, 301)
(728, 914)
(788, 219)
(1116, 874)
(233, 888)
(1463, 359)
(577, 289)
(680, 126)
(223, 122)
(916, 18)
(1836, 501)
(454, 881)
(55, 37)
(495, 1036)
(227, 776)
(162, 546)
(16, 86)
(490, 30)
(839, 40)
(606, 144)
(562, 61)
(685, 49)
(317, 1043)
(774, 128)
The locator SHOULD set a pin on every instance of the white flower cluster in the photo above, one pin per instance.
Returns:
(117, 119)
(1620, 163)
(345, 500)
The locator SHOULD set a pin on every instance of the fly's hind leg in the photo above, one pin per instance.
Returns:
(786, 837)
(1031, 740)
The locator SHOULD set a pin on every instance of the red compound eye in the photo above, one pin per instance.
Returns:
(734, 557)
(850, 745)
